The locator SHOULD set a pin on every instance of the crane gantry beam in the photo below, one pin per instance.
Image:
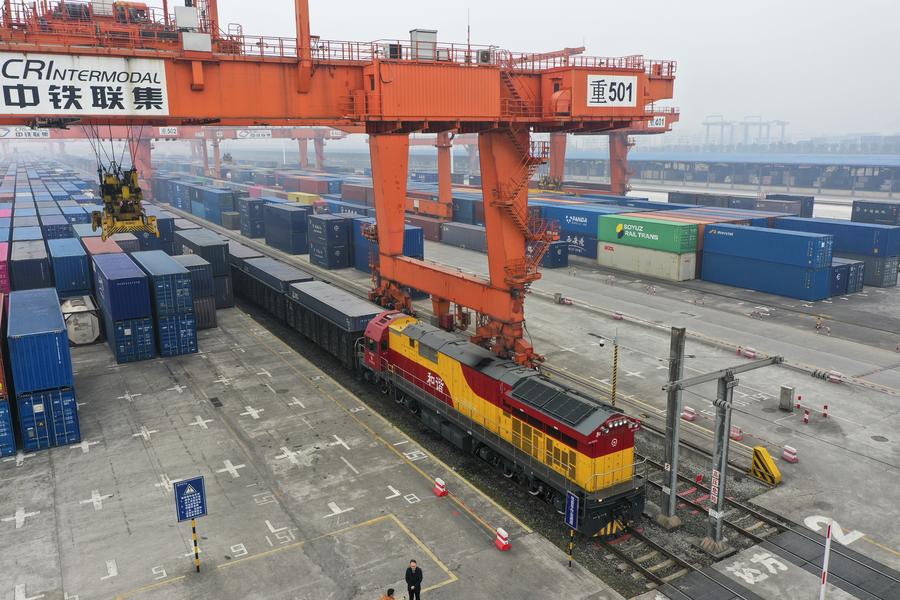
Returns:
(100, 69)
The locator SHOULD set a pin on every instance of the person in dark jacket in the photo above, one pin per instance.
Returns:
(414, 581)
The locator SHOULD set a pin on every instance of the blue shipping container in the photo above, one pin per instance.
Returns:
(584, 246)
(201, 274)
(811, 250)
(123, 290)
(286, 228)
(774, 278)
(56, 227)
(71, 267)
(38, 342)
(840, 279)
(170, 283)
(207, 244)
(413, 243)
(849, 237)
(224, 292)
(856, 275)
(27, 234)
(7, 434)
(581, 219)
(85, 230)
(48, 418)
(29, 266)
(131, 340)
(332, 230)
(177, 335)
(329, 257)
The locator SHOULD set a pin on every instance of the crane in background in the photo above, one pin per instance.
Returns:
(180, 71)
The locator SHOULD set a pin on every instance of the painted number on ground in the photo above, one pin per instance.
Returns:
(820, 523)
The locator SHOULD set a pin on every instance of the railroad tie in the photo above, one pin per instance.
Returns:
(646, 557)
(660, 566)
(676, 575)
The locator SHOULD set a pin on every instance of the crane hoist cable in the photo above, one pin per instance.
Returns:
(120, 190)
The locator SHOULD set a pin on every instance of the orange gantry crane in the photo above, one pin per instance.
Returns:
(101, 67)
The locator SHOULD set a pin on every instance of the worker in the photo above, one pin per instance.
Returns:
(414, 580)
(389, 595)
(818, 323)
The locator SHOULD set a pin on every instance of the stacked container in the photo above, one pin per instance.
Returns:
(29, 266)
(878, 246)
(55, 227)
(252, 217)
(4, 268)
(7, 432)
(879, 212)
(364, 250)
(71, 267)
(855, 273)
(202, 287)
(286, 228)
(786, 263)
(329, 241)
(470, 237)
(213, 249)
(128, 242)
(123, 294)
(173, 302)
(655, 247)
(265, 281)
(41, 365)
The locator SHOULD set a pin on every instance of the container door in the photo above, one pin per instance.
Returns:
(34, 423)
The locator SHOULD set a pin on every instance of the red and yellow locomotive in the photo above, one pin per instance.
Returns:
(548, 437)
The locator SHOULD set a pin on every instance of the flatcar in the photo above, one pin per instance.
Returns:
(536, 432)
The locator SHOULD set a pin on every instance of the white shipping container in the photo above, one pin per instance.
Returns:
(647, 262)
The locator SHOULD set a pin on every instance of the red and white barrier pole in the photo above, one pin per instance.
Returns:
(440, 488)
(825, 562)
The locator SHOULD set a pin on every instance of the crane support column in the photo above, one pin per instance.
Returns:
(713, 542)
(204, 151)
(304, 153)
(618, 164)
(445, 167)
(142, 162)
(558, 156)
(319, 144)
(304, 47)
(667, 517)
(217, 159)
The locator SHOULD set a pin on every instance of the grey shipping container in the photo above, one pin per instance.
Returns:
(471, 237)
(879, 271)
(204, 243)
(29, 266)
(205, 312)
(238, 253)
(342, 308)
(224, 292)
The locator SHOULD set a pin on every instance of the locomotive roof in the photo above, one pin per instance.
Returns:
(560, 403)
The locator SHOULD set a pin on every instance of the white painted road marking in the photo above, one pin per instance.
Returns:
(165, 484)
(145, 433)
(19, 458)
(231, 469)
(818, 523)
(288, 454)
(296, 402)
(306, 421)
(352, 468)
(200, 422)
(129, 396)
(20, 517)
(336, 510)
(339, 442)
(411, 498)
(21, 595)
(96, 499)
(271, 389)
(223, 380)
(266, 373)
(634, 374)
(177, 388)
(252, 412)
(112, 570)
(84, 446)
(394, 493)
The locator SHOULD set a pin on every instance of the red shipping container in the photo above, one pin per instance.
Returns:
(431, 227)
(256, 191)
(312, 185)
(95, 246)
(4, 304)
(4, 267)
(354, 192)
(6, 212)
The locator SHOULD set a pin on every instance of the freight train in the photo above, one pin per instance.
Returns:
(537, 433)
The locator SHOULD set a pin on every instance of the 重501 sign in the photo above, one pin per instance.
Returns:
(47, 84)
(611, 90)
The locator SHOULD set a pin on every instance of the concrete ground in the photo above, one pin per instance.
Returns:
(311, 495)
(849, 461)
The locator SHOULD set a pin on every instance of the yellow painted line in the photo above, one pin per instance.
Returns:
(451, 576)
(393, 448)
(149, 588)
(880, 545)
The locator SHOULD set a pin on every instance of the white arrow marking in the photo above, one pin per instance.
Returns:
(394, 493)
(336, 510)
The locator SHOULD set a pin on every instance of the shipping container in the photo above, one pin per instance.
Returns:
(431, 227)
(7, 433)
(238, 253)
(850, 238)
(654, 234)
(274, 273)
(649, 263)
(579, 219)
(201, 275)
(29, 266)
(55, 227)
(185, 224)
(471, 237)
(170, 283)
(128, 242)
(38, 342)
(775, 278)
(177, 334)
(810, 250)
(840, 279)
(556, 256)
(807, 203)
(879, 271)
(329, 256)
(123, 289)
(879, 212)
(581, 246)
(205, 312)
(856, 274)
(82, 319)
(224, 291)
(95, 246)
(332, 230)
(231, 220)
(5, 283)
(27, 234)
(365, 250)
(71, 267)
(48, 418)
(131, 340)
(206, 244)
(286, 228)
(85, 230)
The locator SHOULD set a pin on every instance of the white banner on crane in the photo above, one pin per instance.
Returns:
(254, 134)
(75, 85)
(23, 133)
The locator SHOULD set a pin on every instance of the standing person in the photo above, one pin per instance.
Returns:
(414, 581)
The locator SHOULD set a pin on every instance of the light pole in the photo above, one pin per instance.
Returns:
(615, 365)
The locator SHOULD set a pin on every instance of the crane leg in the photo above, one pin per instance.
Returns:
(143, 164)
(319, 144)
(217, 159)
(204, 151)
(557, 157)
(445, 181)
(304, 153)
(618, 164)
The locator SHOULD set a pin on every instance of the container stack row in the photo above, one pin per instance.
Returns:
(172, 302)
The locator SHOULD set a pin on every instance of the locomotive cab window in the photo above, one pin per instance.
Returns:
(428, 353)
(384, 344)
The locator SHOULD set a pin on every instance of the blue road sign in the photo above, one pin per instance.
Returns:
(572, 502)
(190, 498)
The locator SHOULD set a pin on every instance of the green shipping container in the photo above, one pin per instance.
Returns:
(643, 232)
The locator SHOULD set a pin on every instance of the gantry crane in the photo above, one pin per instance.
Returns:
(188, 72)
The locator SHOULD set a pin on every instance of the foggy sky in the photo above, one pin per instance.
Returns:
(825, 66)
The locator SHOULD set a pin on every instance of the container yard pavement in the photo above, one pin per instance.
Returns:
(848, 465)
(310, 494)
